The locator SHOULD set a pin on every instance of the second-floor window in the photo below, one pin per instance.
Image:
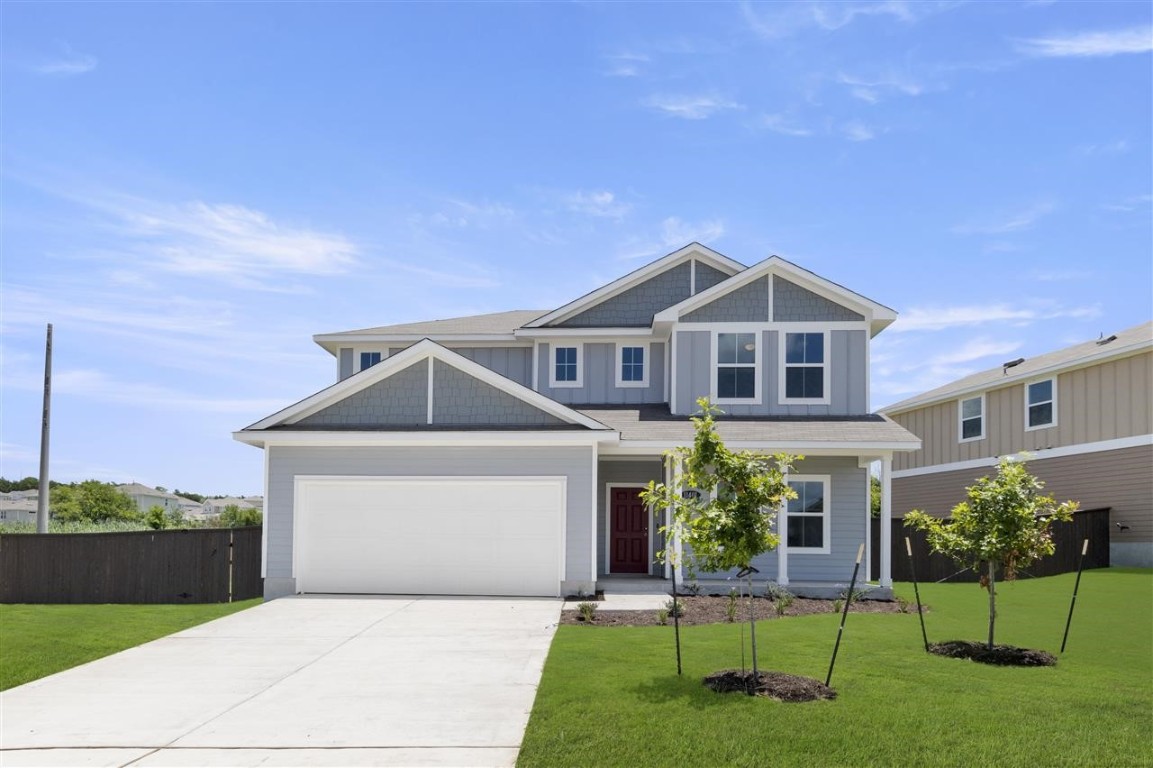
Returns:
(1040, 404)
(566, 367)
(369, 359)
(631, 372)
(805, 367)
(972, 414)
(736, 366)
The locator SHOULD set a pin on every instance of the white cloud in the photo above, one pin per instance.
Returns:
(691, 107)
(626, 64)
(1090, 44)
(1061, 275)
(784, 125)
(674, 233)
(870, 90)
(974, 349)
(855, 130)
(773, 21)
(941, 318)
(1015, 222)
(1118, 147)
(601, 203)
(68, 63)
(1129, 204)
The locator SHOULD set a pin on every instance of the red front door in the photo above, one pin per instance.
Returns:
(628, 532)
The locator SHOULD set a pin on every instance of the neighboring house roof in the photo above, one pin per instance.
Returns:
(495, 323)
(229, 501)
(290, 416)
(655, 423)
(1120, 344)
(691, 251)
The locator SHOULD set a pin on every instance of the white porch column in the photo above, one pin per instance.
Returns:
(783, 547)
(887, 521)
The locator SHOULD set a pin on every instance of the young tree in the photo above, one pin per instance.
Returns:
(1004, 523)
(234, 517)
(92, 500)
(730, 521)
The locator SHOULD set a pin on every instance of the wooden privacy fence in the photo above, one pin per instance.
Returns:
(205, 565)
(1091, 524)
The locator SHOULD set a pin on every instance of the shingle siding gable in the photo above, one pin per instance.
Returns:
(399, 400)
(460, 399)
(635, 307)
(747, 304)
(792, 303)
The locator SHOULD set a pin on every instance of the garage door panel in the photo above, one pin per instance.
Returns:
(430, 535)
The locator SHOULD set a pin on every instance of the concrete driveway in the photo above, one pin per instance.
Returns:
(323, 681)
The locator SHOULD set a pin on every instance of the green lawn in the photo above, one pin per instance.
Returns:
(39, 640)
(611, 697)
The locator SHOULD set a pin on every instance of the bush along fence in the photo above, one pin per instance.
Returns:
(1091, 524)
(179, 566)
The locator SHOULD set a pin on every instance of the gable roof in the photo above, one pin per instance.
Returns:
(693, 250)
(399, 362)
(878, 315)
(494, 326)
(1120, 344)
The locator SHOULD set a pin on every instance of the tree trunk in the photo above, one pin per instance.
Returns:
(992, 602)
(753, 635)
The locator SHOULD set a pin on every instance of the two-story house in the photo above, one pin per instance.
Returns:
(1082, 414)
(504, 454)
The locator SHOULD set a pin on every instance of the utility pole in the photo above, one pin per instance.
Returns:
(42, 495)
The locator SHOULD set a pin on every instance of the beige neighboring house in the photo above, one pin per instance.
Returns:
(146, 498)
(213, 507)
(1084, 413)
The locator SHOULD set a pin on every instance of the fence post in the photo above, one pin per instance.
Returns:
(231, 549)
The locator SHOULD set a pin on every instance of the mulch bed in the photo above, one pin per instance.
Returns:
(773, 685)
(1003, 655)
(711, 609)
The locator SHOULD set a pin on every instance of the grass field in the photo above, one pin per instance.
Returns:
(39, 640)
(611, 697)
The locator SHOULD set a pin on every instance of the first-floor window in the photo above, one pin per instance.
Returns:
(565, 364)
(1040, 399)
(736, 366)
(806, 517)
(369, 359)
(973, 418)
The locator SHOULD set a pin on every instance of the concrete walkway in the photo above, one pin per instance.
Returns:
(323, 681)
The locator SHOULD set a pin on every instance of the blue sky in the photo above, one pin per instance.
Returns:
(190, 191)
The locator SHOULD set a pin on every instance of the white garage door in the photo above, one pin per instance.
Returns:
(430, 535)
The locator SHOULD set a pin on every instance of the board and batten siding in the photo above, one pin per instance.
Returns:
(848, 374)
(285, 463)
(600, 372)
(622, 472)
(1121, 480)
(847, 527)
(511, 362)
(1095, 403)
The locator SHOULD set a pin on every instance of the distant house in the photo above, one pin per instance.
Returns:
(18, 507)
(213, 507)
(1084, 413)
(146, 498)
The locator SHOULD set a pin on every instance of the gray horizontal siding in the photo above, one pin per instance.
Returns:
(399, 400)
(636, 306)
(847, 355)
(461, 399)
(792, 303)
(285, 463)
(637, 473)
(600, 388)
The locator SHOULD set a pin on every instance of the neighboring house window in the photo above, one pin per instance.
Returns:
(805, 371)
(369, 359)
(631, 368)
(736, 366)
(807, 516)
(1041, 404)
(566, 366)
(972, 414)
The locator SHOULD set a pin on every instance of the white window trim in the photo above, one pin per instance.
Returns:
(757, 365)
(619, 357)
(826, 516)
(580, 366)
(1053, 385)
(961, 419)
(827, 365)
